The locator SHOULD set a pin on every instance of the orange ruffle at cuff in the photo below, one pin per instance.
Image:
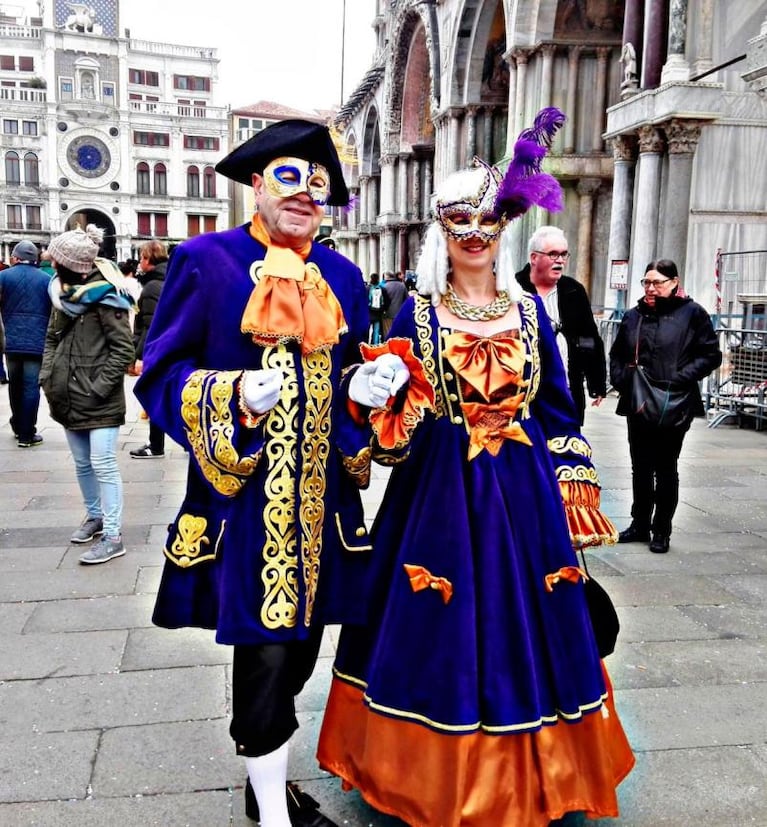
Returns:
(291, 300)
(393, 425)
(587, 524)
(475, 779)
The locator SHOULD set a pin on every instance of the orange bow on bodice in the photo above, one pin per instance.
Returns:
(487, 364)
(291, 299)
(491, 424)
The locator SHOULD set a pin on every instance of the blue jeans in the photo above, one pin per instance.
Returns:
(95, 456)
(24, 394)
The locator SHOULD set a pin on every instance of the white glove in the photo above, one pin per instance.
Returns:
(261, 389)
(374, 382)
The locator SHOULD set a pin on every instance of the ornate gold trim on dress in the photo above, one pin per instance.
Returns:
(529, 332)
(315, 451)
(206, 410)
(569, 444)
(358, 467)
(422, 318)
(498, 307)
(279, 573)
(344, 542)
(578, 473)
(186, 548)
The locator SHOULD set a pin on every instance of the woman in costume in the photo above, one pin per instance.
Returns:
(475, 695)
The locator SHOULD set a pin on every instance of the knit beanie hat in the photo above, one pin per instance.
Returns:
(77, 249)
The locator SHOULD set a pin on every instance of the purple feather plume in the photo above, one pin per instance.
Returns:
(524, 185)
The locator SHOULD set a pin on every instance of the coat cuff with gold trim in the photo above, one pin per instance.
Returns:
(210, 412)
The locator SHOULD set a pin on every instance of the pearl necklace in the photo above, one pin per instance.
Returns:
(472, 312)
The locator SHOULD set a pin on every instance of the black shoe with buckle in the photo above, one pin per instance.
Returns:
(634, 534)
(660, 543)
(303, 810)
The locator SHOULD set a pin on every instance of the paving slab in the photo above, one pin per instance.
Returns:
(123, 699)
(123, 612)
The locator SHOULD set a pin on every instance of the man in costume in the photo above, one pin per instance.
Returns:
(569, 309)
(247, 365)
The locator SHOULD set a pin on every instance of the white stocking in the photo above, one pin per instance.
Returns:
(268, 775)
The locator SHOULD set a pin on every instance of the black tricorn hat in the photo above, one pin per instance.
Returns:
(299, 138)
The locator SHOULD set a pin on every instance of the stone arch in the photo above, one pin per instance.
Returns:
(407, 20)
(417, 123)
(371, 143)
(83, 215)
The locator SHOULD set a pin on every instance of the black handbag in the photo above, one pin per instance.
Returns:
(604, 618)
(655, 404)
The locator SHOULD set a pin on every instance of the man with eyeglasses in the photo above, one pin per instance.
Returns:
(569, 309)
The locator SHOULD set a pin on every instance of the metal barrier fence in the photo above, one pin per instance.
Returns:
(738, 388)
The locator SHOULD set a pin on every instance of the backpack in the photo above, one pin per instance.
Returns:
(376, 298)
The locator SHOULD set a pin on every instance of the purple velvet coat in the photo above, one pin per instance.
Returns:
(270, 538)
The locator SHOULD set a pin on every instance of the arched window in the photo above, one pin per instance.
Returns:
(160, 179)
(193, 182)
(209, 183)
(142, 178)
(31, 170)
(12, 168)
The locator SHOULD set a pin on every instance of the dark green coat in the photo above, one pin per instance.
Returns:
(84, 363)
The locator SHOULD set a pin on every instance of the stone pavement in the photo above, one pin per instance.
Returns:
(105, 720)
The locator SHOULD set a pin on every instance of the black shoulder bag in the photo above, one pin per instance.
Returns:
(654, 404)
(604, 618)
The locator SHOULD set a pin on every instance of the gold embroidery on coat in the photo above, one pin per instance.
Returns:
(279, 608)
(206, 411)
(361, 531)
(358, 467)
(186, 548)
(315, 451)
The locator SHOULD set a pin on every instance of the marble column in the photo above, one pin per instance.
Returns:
(387, 250)
(363, 251)
(597, 144)
(619, 245)
(387, 185)
(644, 244)
(402, 263)
(471, 134)
(487, 137)
(573, 56)
(587, 189)
(456, 159)
(682, 138)
(439, 148)
(416, 200)
(428, 186)
(654, 48)
(521, 56)
(402, 185)
(511, 135)
(363, 198)
(548, 50)
(704, 37)
(676, 67)
(374, 206)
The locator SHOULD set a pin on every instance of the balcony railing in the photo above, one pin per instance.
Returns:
(179, 110)
(173, 49)
(14, 30)
(10, 93)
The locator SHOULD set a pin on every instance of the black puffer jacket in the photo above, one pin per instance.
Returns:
(152, 283)
(677, 345)
(84, 365)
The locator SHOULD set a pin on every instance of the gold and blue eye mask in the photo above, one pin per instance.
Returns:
(286, 177)
(474, 216)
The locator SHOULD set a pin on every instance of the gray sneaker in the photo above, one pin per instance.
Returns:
(106, 549)
(91, 527)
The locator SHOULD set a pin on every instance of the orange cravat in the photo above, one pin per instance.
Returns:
(291, 299)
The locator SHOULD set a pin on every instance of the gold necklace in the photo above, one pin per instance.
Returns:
(471, 312)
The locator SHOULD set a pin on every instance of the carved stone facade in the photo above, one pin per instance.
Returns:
(643, 143)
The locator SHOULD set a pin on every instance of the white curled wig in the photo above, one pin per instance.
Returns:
(466, 185)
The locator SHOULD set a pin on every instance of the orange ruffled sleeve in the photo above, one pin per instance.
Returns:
(393, 425)
(588, 525)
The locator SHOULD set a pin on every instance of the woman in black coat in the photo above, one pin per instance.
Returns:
(672, 339)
